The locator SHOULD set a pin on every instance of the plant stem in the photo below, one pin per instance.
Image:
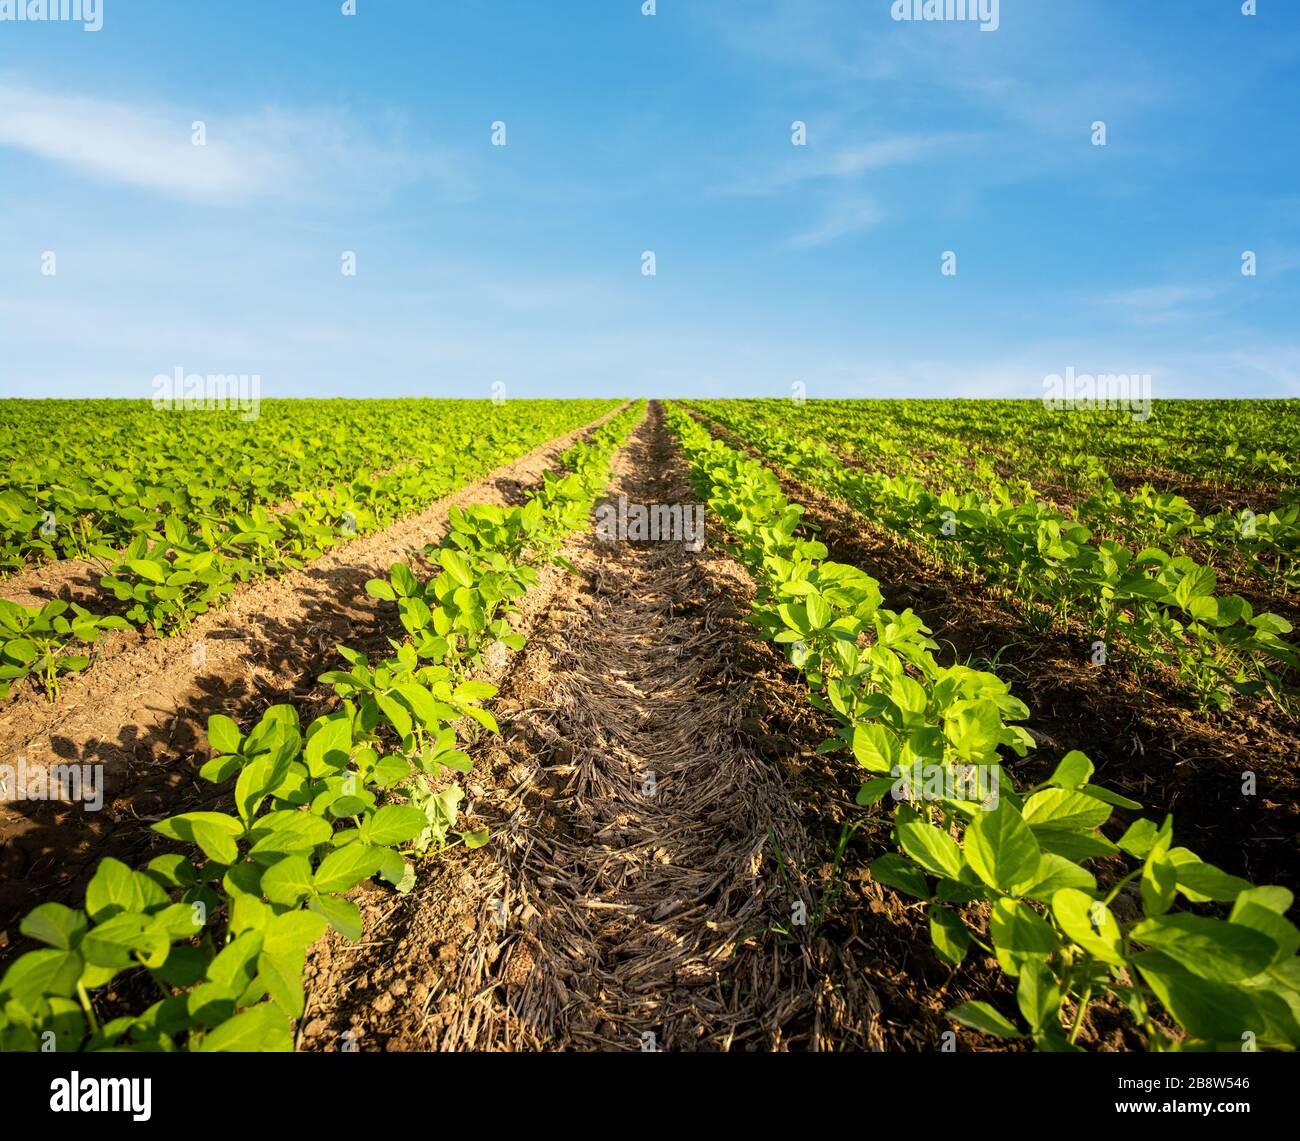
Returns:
(1078, 1014)
(88, 1008)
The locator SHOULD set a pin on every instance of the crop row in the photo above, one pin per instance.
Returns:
(83, 473)
(998, 868)
(1161, 608)
(222, 935)
(186, 554)
(1029, 454)
(1222, 442)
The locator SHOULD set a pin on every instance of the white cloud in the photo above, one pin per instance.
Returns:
(275, 153)
(850, 161)
(1160, 304)
(845, 163)
(839, 221)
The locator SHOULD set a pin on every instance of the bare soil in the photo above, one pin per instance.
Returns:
(659, 818)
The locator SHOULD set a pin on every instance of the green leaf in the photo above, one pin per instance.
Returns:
(115, 888)
(981, 1016)
(1056, 872)
(394, 869)
(221, 768)
(378, 588)
(933, 849)
(396, 713)
(148, 569)
(1072, 771)
(873, 791)
(1065, 808)
(249, 913)
(1263, 909)
(343, 869)
(21, 650)
(795, 617)
(949, 935)
(896, 872)
(474, 691)
(215, 840)
(292, 932)
(1211, 948)
(223, 734)
(93, 976)
(1159, 879)
(393, 824)
(329, 747)
(242, 879)
(1018, 930)
(1196, 583)
(1072, 845)
(910, 696)
(210, 1004)
(254, 783)
(422, 703)
(1039, 996)
(178, 921)
(185, 966)
(482, 716)
(875, 747)
(1097, 792)
(1209, 1010)
(213, 825)
(288, 882)
(40, 973)
(974, 728)
(1139, 838)
(281, 975)
(261, 1029)
(342, 914)
(1201, 882)
(455, 565)
(1089, 924)
(819, 614)
(111, 943)
(287, 831)
(55, 924)
(236, 963)
(1001, 848)
(403, 580)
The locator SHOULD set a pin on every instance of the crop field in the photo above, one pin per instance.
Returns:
(672, 725)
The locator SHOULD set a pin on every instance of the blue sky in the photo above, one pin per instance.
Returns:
(775, 263)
